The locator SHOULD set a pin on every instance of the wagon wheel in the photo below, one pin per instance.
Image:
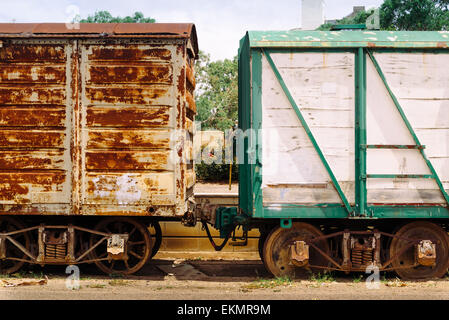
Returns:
(276, 250)
(138, 247)
(424, 231)
(156, 234)
(8, 266)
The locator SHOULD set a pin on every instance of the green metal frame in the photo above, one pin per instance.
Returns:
(256, 58)
(250, 116)
(360, 133)
(348, 26)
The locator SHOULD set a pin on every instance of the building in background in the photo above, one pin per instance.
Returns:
(312, 14)
(355, 11)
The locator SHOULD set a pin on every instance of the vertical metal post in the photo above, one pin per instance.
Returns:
(360, 133)
(41, 255)
(256, 143)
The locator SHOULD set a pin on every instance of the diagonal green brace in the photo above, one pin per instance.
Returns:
(409, 126)
(308, 131)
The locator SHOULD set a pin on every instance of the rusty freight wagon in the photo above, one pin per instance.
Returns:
(347, 134)
(96, 128)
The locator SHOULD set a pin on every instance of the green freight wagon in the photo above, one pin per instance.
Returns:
(346, 162)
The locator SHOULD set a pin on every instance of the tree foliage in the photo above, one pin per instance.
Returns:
(408, 15)
(217, 92)
(106, 17)
(418, 15)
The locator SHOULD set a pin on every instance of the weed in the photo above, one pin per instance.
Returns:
(397, 283)
(197, 258)
(118, 282)
(269, 283)
(97, 286)
(357, 279)
(29, 274)
(322, 278)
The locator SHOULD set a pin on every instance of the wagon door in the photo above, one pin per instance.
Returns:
(307, 106)
(36, 104)
(407, 129)
(127, 116)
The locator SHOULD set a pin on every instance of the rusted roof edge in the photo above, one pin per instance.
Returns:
(120, 30)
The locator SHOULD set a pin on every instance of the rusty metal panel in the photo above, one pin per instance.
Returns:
(95, 127)
(129, 103)
(136, 117)
(130, 53)
(37, 116)
(155, 74)
(39, 53)
(35, 125)
(148, 139)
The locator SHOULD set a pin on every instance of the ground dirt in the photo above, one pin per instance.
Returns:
(198, 279)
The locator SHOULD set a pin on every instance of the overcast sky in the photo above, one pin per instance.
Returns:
(220, 23)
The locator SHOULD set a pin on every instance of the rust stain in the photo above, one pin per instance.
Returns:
(31, 117)
(108, 183)
(128, 139)
(191, 102)
(17, 184)
(154, 74)
(22, 160)
(125, 95)
(190, 74)
(130, 54)
(31, 74)
(32, 53)
(34, 139)
(27, 95)
(127, 160)
(128, 117)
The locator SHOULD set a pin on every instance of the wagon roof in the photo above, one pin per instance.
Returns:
(349, 39)
(109, 30)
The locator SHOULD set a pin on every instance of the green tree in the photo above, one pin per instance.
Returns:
(106, 17)
(216, 92)
(418, 15)
(409, 15)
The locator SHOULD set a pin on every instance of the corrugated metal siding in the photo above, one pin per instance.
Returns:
(35, 103)
(127, 161)
(86, 127)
